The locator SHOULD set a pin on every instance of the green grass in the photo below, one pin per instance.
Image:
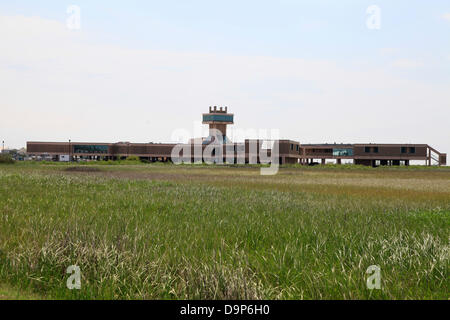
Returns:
(202, 232)
(10, 293)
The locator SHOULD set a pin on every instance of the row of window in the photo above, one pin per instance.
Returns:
(411, 149)
(349, 152)
(90, 149)
(343, 152)
(371, 149)
(403, 149)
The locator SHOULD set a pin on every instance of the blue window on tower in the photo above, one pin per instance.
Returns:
(218, 117)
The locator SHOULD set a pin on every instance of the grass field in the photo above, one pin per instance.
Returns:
(203, 232)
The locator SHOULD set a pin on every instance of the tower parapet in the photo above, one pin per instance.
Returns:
(218, 119)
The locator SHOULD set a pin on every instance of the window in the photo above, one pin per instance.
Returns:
(366, 149)
(403, 149)
(346, 152)
(292, 146)
(412, 150)
(375, 149)
(218, 118)
(297, 147)
(90, 149)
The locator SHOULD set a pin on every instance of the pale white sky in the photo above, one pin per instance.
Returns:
(108, 82)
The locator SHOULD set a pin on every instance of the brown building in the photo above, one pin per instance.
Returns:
(250, 151)
(373, 154)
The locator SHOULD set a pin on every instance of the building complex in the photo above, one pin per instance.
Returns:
(289, 151)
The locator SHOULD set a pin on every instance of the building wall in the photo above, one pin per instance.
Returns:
(142, 149)
(394, 151)
(44, 147)
(289, 151)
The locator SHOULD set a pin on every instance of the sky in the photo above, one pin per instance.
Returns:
(140, 71)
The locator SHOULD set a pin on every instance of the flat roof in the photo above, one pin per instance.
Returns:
(327, 145)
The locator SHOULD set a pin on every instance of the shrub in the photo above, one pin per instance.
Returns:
(133, 158)
(6, 158)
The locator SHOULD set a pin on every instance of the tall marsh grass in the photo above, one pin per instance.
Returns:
(167, 232)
